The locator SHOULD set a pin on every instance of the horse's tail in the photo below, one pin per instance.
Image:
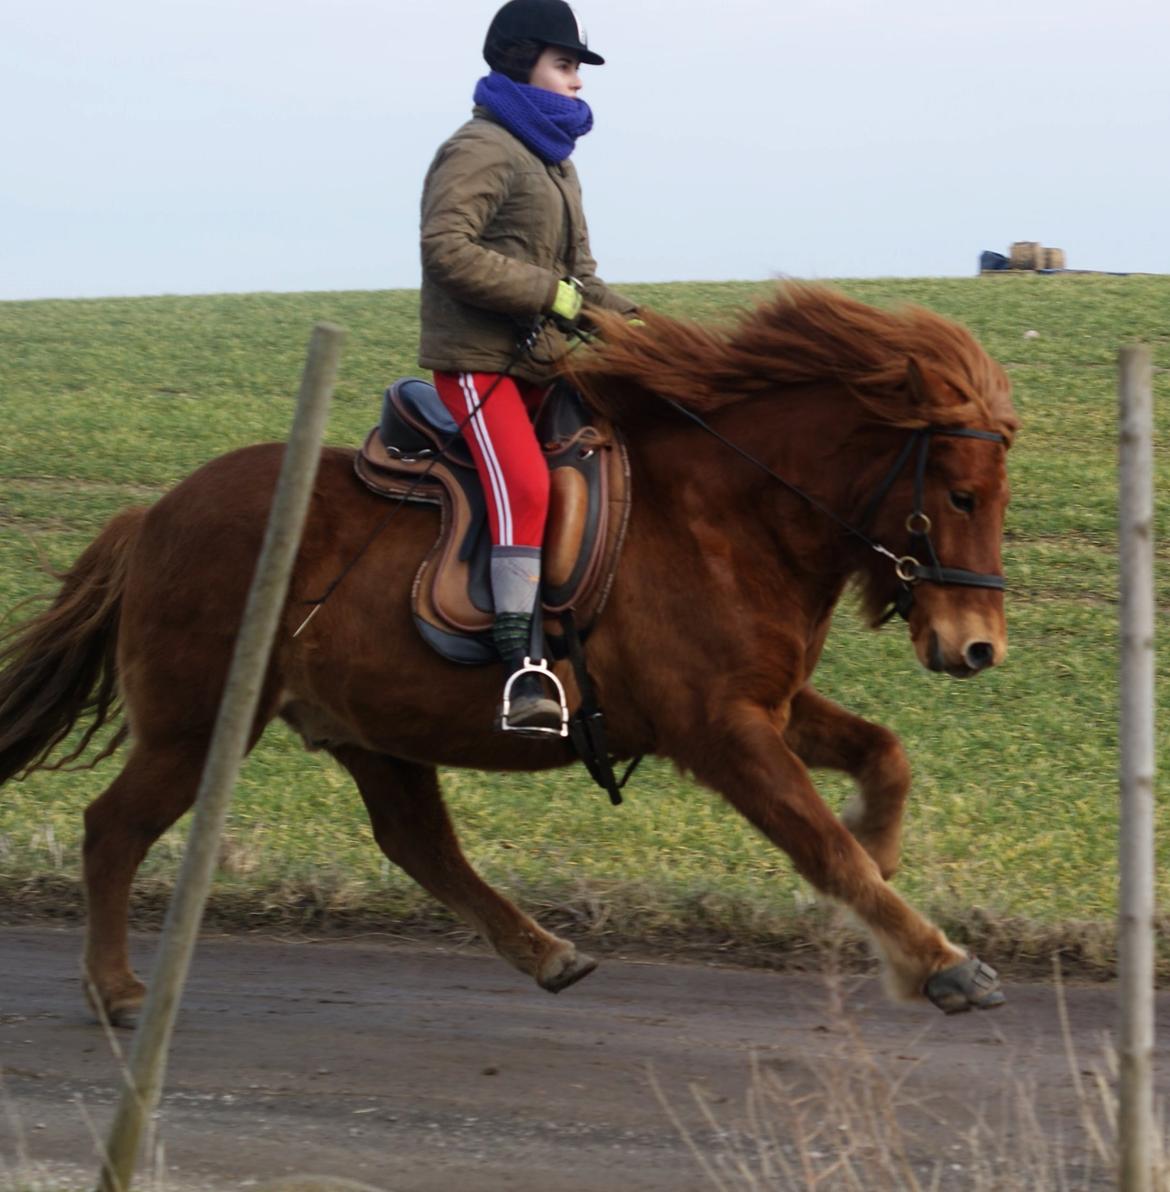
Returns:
(60, 666)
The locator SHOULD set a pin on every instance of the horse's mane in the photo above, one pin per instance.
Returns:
(803, 334)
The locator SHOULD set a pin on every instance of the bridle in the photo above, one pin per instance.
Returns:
(909, 570)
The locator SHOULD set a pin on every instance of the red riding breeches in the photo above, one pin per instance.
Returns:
(503, 444)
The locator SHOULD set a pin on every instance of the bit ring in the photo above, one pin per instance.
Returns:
(907, 569)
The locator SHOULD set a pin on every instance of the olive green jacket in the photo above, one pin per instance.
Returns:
(500, 228)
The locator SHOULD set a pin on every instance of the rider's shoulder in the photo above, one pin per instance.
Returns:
(482, 136)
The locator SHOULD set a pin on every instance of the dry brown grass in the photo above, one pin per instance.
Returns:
(857, 1127)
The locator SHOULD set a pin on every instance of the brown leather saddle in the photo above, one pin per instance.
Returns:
(416, 454)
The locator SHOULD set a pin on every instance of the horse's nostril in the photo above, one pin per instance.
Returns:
(979, 655)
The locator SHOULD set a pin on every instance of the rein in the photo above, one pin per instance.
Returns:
(907, 567)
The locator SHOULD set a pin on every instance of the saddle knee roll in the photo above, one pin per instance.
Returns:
(568, 515)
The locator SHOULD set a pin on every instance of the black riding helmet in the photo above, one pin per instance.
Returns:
(522, 28)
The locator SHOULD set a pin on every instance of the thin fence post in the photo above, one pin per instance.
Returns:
(1136, 851)
(237, 710)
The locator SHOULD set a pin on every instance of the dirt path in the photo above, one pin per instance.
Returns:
(415, 1068)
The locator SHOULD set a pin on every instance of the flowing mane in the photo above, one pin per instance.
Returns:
(803, 334)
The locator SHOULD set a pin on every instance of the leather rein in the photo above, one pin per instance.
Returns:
(909, 570)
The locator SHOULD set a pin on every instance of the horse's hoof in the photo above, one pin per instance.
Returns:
(575, 966)
(125, 1015)
(971, 985)
(117, 1009)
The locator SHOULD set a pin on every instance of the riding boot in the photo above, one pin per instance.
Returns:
(529, 704)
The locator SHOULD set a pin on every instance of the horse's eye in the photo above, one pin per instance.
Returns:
(963, 502)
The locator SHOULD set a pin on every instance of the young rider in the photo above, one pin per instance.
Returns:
(504, 244)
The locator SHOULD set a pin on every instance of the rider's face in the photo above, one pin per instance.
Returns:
(557, 70)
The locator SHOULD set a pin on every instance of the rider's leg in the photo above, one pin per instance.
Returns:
(515, 482)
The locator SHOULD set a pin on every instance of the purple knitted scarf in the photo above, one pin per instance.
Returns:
(548, 123)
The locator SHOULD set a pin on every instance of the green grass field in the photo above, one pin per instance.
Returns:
(1011, 829)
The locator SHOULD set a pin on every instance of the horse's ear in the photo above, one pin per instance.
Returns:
(929, 391)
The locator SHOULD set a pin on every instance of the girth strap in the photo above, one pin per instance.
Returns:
(587, 725)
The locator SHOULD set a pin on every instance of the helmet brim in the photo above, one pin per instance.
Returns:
(587, 56)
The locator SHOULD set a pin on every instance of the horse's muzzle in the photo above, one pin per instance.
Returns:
(976, 656)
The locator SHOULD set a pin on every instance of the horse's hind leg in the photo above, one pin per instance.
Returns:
(824, 735)
(156, 786)
(413, 829)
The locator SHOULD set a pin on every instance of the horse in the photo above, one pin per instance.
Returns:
(811, 444)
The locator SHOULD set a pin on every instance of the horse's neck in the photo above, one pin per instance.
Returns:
(728, 506)
(711, 543)
(799, 436)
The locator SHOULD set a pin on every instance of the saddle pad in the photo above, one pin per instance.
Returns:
(589, 500)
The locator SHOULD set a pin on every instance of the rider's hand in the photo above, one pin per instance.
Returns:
(566, 306)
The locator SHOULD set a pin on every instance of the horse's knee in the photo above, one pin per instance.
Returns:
(886, 770)
(874, 814)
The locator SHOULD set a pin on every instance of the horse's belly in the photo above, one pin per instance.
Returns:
(318, 728)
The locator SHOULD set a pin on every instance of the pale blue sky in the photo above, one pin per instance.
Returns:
(199, 146)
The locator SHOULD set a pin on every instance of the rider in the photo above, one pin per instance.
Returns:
(504, 243)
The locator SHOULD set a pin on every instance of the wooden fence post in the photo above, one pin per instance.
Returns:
(237, 709)
(1136, 851)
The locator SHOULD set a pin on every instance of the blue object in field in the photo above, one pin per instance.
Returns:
(991, 261)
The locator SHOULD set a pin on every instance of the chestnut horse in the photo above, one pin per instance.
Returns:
(729, 576)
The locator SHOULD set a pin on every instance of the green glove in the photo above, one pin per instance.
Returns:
(568, 302)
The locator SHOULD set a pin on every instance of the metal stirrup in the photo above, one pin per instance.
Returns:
(535, 668)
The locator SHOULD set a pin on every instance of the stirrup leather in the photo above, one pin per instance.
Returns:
(535, 730)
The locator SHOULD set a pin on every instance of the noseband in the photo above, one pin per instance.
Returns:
(907, 568)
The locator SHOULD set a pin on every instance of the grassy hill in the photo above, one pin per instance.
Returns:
(1011, 828)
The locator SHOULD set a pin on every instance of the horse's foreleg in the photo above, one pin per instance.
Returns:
(823, 734)
(753, 768)
(413, 829)
(156, 786)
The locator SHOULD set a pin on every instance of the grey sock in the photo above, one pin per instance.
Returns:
(515, 576)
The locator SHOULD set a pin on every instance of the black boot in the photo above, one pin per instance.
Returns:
(529, 705)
